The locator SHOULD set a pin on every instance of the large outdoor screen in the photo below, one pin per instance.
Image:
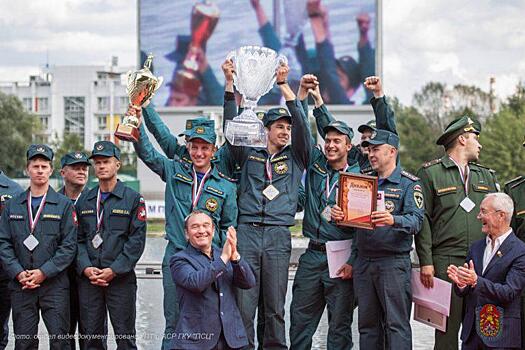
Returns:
(335, 40)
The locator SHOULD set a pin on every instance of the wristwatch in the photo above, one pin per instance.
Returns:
(236, 261)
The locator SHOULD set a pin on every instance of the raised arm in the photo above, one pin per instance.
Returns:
(301, 136)
(239, 154)
(384, 114)
(157, 162)
(160, 131)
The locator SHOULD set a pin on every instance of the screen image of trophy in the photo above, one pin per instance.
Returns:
(255, 73)
(141, 86)
(204, 18)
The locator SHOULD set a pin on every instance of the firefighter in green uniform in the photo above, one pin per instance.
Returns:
(8, 189)
(384, 119)
(111, 239)
(199, 185)
(516, 190)
(268, 196)
(453, 188)
(313, 288)
(38, 241)
(171, 147)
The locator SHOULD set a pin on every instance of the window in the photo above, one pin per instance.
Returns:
(28, 103)
(42, 104)
(74, 114)
(123, 102)
(103, 103)
(44, 121)
(102, 122)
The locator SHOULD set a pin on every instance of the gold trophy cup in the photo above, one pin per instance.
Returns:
(141, 87)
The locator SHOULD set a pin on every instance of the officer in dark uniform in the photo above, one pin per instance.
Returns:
(75, 174)
(382, 267)
(198, 185)
(515, 188)
(268, 196)
(112, 236)
(38, 233)
(453, 188)
(8, 189)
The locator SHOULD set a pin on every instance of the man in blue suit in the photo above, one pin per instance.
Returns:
(492, 280)
(205, 278)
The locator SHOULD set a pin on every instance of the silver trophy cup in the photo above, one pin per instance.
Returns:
(255, 69)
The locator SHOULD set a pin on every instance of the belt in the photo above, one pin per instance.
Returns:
(320, 247)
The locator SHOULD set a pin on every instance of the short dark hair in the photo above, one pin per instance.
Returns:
(192, 214)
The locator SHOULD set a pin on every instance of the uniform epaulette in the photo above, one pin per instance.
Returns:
(484, 167)
(410, 176)
(226, 177)
(432, 162)
(515, 182)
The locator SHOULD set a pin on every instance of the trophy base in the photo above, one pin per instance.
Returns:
(128, 133)
(245, 133)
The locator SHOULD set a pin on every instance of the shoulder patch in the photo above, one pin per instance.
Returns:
(515, 182)
(432, 162)
(410, 176)
(226, 177)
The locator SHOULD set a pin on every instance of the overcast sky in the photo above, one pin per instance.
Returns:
(433, 40)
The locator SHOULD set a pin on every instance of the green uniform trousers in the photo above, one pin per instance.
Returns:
(267, 249)
(449, 340)
(312, 290)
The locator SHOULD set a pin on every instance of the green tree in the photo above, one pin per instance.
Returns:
(69, 143)
(417, 138)
(502, 139)
(16, 129)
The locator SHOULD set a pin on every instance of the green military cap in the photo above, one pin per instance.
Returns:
(457, 127)
(382, 137)
(74, 158)
(340, 127)
(40, 150)
(369, 126)
(105, 149)
(193, 123)
(204, 133)
(275, 114)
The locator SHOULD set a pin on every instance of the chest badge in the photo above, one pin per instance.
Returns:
(212, 205)
(389, 206)
(280, 168)
(489, 319)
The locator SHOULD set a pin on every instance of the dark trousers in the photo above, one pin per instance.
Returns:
(53, 303)
(5, 309)
(170, 303)
(119, 298)
(313, 289)
(73, 306)
(383, 288)
(267, 249)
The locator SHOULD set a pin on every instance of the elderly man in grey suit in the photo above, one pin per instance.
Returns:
(492, 280)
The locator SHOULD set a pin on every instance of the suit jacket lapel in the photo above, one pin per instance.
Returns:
(503, 249)
(477, 258)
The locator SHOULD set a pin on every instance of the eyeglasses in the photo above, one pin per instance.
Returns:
(485, 213)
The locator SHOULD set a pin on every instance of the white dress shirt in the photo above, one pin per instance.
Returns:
(489, 251)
